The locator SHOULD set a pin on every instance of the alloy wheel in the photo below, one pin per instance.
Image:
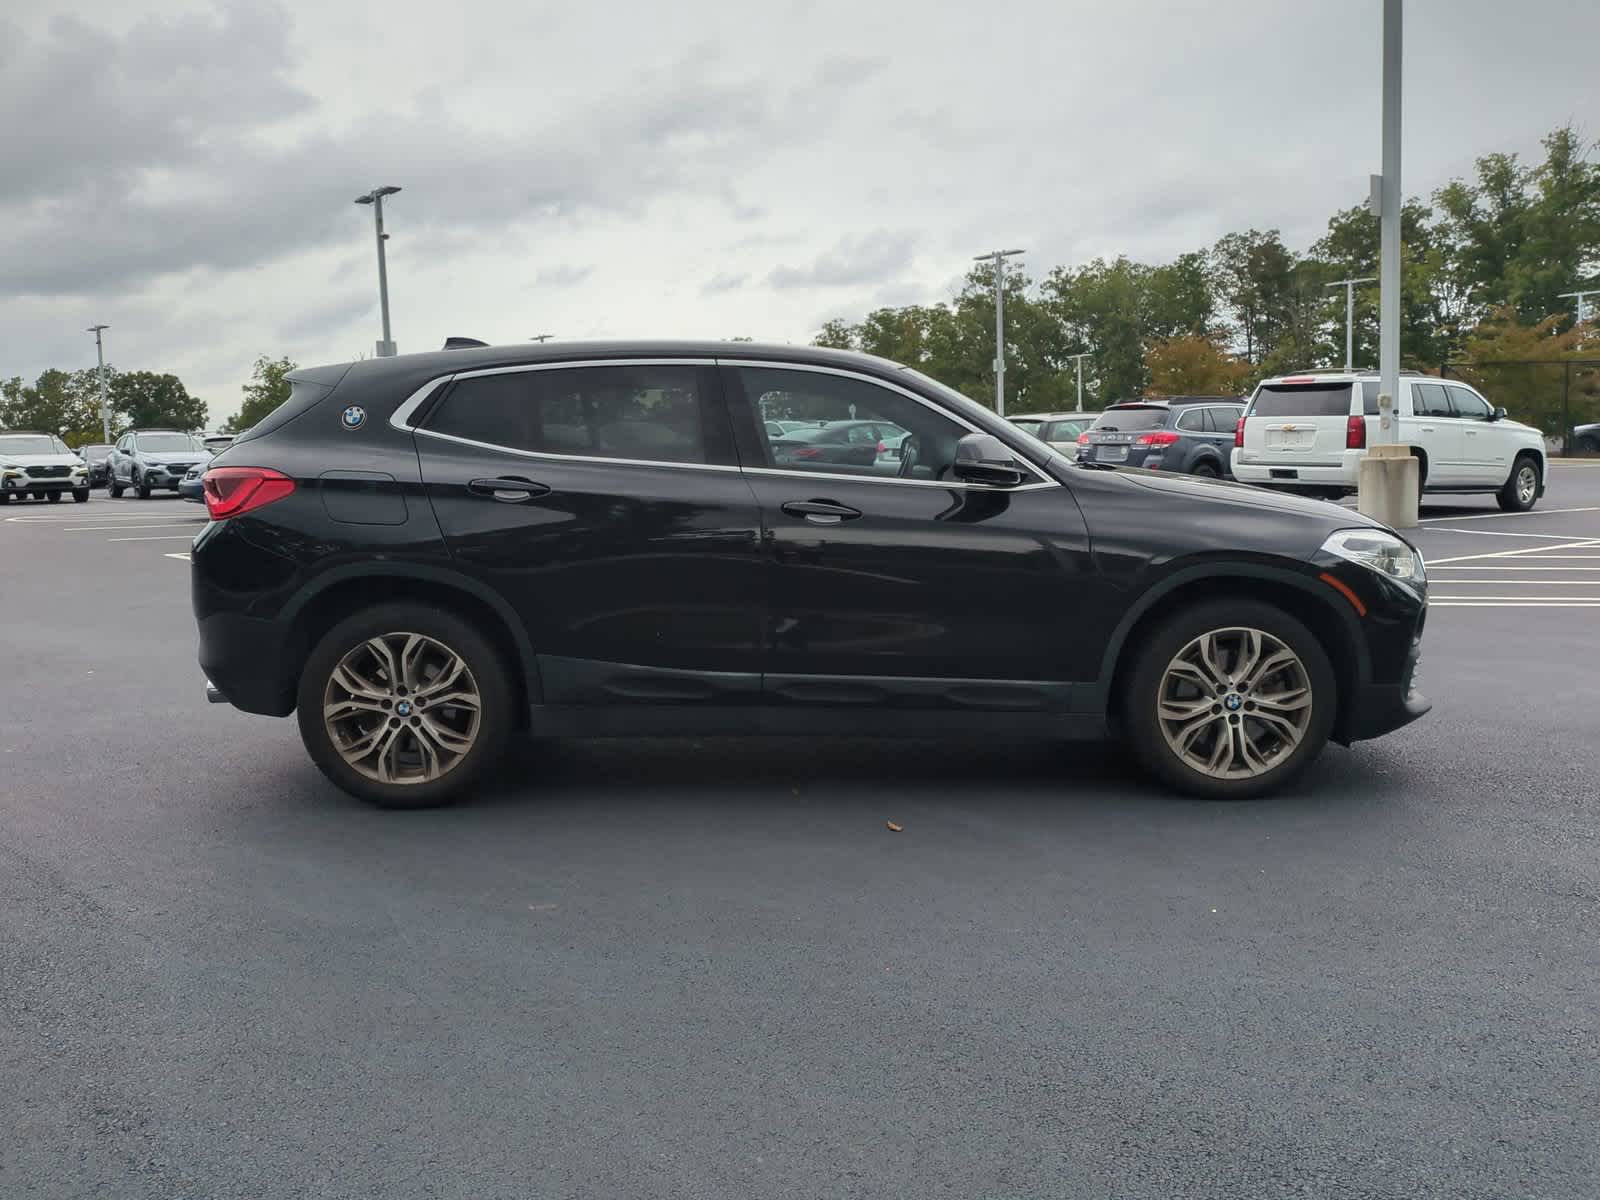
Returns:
(1527, 483)
(402, 708)
(1234, 703)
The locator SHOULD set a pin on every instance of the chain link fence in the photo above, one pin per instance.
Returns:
(1560, 396)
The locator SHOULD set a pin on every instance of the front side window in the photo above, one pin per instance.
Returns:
(1429, 400)
(643, 412)
(859, 416)
(1469, 405)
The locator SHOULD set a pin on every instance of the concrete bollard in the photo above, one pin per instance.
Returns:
(1388, 488)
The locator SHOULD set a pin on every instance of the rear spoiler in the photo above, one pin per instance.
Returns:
(462, 343)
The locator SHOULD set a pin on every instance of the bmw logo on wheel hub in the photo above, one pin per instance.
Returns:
(1232, 702)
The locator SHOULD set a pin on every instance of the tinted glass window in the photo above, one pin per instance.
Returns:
(1469, 405)
(652, 413)
(844, 447)
(1065, 431)
(1303, 400)
(1369, 397)
(1121, 420)
(1429, 400)
(1192, 420)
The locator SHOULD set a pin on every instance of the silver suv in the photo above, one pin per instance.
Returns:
(144, 459)
(41, 466)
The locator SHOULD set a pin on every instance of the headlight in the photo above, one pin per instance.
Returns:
(1380, 552)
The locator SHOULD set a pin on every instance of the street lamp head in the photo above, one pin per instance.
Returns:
(996, 254)
(96, 328)
(385, 191)
(367, 199)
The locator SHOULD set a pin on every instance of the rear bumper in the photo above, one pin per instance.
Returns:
(1281, 470)
(236, 653)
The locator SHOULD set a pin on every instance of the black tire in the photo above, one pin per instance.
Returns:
(1206, 470)
(114, 487)
(495, 691)
(80, 495)
(53, 497)
(142, 492)
(1521, 490)
(1158, 647)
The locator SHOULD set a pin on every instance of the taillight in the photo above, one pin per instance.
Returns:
(1238, 433)
(806, 452)
(881, 447)
(1165, 438)
(1083, 438)
(230, 491)
(1355, 433)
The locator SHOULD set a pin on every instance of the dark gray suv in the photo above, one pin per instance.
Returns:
(1187, 435)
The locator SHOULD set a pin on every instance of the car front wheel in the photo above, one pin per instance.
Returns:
(1521, 489)
(405, 706)
(1229, 700)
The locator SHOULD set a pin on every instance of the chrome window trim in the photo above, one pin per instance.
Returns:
(401, 419)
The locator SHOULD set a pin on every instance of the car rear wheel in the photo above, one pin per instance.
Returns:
(1521, 489)
(404, 706)
(1229, 700)
(1205, 470)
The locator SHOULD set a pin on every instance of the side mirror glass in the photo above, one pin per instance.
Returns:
(983, 458)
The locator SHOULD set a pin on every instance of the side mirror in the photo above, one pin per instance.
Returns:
(983, 458)
(1499, 414)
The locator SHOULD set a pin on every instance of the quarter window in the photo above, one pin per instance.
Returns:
(650, 413)
(859, 417)
(1192, 420)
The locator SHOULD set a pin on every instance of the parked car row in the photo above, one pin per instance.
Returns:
(41, 466)
(1184, 435)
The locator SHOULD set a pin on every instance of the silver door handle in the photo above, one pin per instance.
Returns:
(1427, 429)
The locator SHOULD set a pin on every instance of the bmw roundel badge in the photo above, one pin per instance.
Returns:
(353, 417)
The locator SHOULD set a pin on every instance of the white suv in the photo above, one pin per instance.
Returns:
(1308, 433)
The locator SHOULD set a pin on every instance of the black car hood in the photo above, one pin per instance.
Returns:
(1212, 491)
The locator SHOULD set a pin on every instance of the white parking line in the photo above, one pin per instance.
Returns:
(183, 557)
(1517, 567)
(1561, 599)
(1500, 516)
(120, 528)
(1586, 543)
(1551, 537)
(158, 537)
(1453, 582)
(1514, 604)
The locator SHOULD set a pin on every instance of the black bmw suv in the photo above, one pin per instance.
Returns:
(421, 555)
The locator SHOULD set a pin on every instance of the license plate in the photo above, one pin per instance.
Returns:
(1291, 439)
(1112, 454)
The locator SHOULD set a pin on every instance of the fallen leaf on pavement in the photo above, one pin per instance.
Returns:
(892, 827)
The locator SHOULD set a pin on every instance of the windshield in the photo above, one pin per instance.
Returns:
(31, 443)
(1120, 420)
(167, 441)
(94, 453)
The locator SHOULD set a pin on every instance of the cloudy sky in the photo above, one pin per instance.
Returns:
(184, 171)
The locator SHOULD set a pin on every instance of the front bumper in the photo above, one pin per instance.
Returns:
(163, 479)
(27, 486)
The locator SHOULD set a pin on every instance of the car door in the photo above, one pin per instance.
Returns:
(603, 501)
(119, 457)
(1221, 422)
(910, 589)
(1434, 427)
(1486, 450)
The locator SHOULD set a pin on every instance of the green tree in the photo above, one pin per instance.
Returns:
(146, 400)
(268, 387)
(60, 402)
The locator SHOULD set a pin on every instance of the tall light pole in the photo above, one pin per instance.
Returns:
(386, 348)
(998, 257)
(1389, 479)
(541, 337)
(100, 353)
(1580, 297)
(1080, 358)
(1349, 286)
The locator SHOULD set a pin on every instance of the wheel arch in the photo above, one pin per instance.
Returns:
(1314, 605)
(346, 591)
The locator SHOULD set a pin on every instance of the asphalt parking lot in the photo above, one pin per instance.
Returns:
(675, 968)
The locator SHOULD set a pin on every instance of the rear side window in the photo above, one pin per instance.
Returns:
(1369, 397)
(649, 413)
(1302, 400)
(1122, 420)
(1429, 400)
